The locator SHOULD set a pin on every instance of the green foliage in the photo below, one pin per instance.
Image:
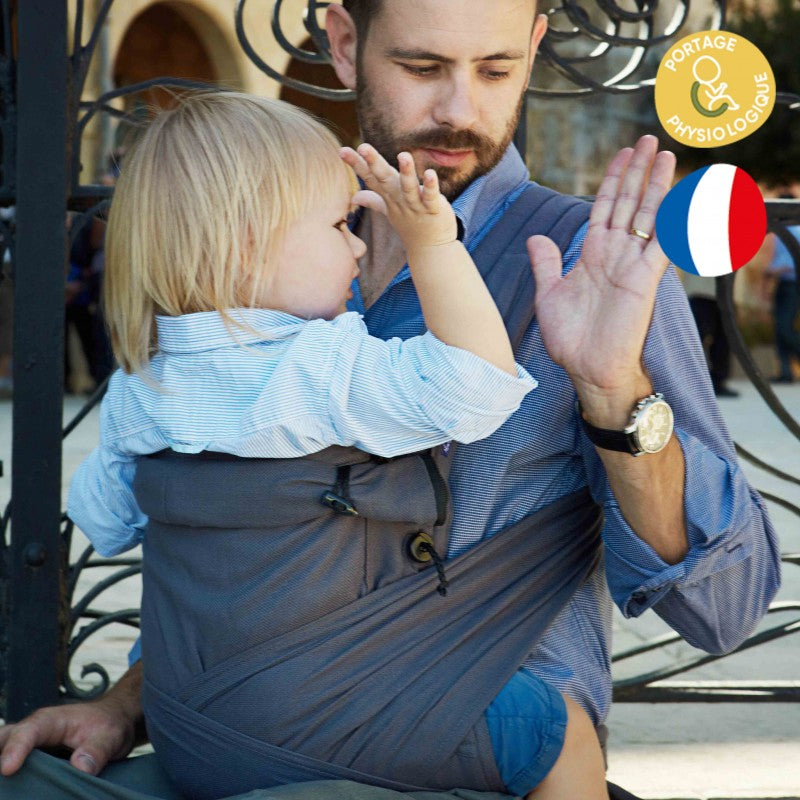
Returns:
(772, 153)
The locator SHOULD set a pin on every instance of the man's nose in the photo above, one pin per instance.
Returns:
(457, 104)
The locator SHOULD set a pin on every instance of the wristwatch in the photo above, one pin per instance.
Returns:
(649, 430)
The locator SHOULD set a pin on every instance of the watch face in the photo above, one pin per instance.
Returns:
(654, 426)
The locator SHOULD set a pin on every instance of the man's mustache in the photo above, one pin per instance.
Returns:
(444, 139)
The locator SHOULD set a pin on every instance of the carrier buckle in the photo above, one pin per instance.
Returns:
(339, 504)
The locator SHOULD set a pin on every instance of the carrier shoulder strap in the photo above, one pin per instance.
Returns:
(502, 258)
(503, 262)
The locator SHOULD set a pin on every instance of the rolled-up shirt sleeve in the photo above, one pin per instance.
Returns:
(101, 501)
(716, 595)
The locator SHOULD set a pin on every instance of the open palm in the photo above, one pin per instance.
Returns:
(594, 320)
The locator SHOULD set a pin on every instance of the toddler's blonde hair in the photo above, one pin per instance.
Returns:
(203, 200)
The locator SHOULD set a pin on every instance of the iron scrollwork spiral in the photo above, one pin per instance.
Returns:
(321, 54)
(84, 620)
(583, 40)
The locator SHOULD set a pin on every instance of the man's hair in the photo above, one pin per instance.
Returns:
(202, 203)
(364, 11)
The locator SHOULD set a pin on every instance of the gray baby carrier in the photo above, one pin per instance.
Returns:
(299, 621)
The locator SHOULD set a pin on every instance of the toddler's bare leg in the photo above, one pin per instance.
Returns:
(579, 771)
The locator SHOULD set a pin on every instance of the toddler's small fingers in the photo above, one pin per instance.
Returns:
(369, 199)
(430, 190)
(355, 161)
(408, 177)
(365, 151)
(378, 166)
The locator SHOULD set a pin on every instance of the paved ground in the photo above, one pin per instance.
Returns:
(726, 750)
(667, 751)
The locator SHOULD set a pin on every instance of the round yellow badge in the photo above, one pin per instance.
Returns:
(713, 88)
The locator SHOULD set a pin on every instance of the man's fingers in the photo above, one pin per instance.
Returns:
(86, 762)
(661, 176)
(88, 759)
(633, 183)
(603, 205)
(17, 741)
(15, 747)
(546, 263)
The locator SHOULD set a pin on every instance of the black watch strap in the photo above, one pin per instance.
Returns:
(648, 430)
(609, 439)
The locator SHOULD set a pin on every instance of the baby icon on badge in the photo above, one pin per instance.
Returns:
(713, 88)
(714, 93)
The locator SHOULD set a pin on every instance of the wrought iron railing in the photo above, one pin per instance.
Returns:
(656, 685)
(43, 118)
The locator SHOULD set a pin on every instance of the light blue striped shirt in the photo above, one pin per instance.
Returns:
(293, 388)
(716, 595)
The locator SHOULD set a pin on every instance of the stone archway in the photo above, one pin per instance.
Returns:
(160, 41)
(169, 39)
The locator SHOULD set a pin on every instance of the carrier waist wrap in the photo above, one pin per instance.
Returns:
(292, 627)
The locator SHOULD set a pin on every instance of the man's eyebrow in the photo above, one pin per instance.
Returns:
(505, 55)
(426, 55)
(416, 55)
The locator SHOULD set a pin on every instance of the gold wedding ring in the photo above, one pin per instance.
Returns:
(641, 234)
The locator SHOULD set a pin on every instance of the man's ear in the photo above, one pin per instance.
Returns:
(342, 40)
(539, 30)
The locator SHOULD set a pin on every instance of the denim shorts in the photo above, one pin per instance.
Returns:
(527, 722)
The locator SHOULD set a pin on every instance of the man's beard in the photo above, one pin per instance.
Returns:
(378, 132)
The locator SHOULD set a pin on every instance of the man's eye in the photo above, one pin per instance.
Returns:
(495, 75)
(419, 71)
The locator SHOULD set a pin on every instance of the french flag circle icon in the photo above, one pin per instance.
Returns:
(713, 221)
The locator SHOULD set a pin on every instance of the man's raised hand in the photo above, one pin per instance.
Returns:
(594, 320)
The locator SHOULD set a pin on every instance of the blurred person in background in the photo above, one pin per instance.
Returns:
(82, 299)
(707, 317)
(781, 273)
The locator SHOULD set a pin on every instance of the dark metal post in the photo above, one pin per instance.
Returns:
(34, 555)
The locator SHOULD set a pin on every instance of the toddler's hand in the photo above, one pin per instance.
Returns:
(421, 215)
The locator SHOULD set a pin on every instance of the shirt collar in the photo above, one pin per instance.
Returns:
(478, 202)
(208, 330)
